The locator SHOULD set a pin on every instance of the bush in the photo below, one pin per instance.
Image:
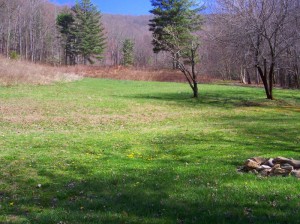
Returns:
(14, 55)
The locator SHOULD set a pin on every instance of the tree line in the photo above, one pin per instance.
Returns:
(39, 31)
(254, 41)
(28, 28)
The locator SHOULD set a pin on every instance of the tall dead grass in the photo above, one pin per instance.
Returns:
(15, 72)
(127, 73)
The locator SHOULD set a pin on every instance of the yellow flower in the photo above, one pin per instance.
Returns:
(11, 204)
(131, 156)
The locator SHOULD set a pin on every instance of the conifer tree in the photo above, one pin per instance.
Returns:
(90, 39)
(174, 28)
(65, 22)
(127, 49)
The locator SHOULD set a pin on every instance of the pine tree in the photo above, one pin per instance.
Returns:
(90, 39)
(174, 28)
(65, 22)
(182, 16)
(127, 49)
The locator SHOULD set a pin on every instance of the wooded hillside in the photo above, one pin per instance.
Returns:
(28, 30)
(245, 42)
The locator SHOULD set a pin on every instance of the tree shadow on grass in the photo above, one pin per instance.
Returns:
(224, 98)
(144, 196)
(154, 192)
(273, 132)
(162, 190)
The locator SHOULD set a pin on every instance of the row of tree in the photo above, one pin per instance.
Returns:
(28, 28)
(254, 41)
(251, 40)
(254, 38)
(40, 31)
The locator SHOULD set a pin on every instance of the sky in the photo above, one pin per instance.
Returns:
(124, 7)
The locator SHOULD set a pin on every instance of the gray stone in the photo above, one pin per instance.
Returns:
(296, 173)
(293, 162)
(279, 166)
(287, 166)
(279, 171)
(269, 162)
(265, 172)
(262, 167)
(281, 160)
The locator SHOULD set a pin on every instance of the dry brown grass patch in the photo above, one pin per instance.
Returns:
(29, 112)
(138, 74)
(15, 72)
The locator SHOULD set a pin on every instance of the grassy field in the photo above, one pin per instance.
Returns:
(102, 151)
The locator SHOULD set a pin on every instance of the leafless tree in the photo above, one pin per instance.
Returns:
(28, 28)
(260, 32)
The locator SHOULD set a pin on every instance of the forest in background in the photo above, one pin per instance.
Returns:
(28, 31)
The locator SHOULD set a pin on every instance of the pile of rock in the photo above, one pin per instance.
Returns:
(279, 166)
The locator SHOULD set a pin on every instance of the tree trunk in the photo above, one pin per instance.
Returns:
(281, 77)
(195, 90)
(195, 81)
(297, 81)
(268, 83)
(243, 75)
(271, 80)
(257, 77)
(8, 34)
(66, 56)
(175, 61)
(248, 77)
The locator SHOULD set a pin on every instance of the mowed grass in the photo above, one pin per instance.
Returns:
(102, 151)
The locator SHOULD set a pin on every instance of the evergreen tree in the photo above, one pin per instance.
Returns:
(127, 49)
(65, 22)
(182, 16)
(174, 28)
(90, 39)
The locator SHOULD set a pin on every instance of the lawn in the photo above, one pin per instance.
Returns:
(103, 151)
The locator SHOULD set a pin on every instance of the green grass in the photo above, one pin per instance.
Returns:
(136, 152)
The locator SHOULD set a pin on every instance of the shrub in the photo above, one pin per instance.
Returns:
(14, 55)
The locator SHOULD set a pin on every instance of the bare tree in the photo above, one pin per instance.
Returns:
(261, 32)
(28, 28)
